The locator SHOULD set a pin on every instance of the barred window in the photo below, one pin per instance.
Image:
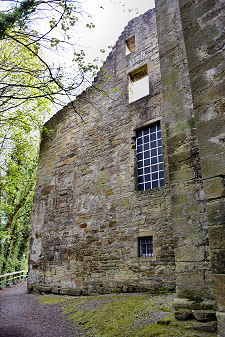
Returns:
(150, 157)
(145, 246)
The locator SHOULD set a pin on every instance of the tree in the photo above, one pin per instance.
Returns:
(20, 126)
(22, 82)
(29, 84)
(20, 24)
(26, 93)
(17, 182)
(21, 75)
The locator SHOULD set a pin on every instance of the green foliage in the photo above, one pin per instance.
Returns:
(21, 71)
(21, 23)
(20, 126)
(18, 16)
(17, 182)
(79, 58)
(22, 12)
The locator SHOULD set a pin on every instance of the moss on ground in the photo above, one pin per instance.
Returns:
(132, 315)
(45, 299)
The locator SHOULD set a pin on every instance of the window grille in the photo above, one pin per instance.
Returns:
(145, 245)
(150, 157)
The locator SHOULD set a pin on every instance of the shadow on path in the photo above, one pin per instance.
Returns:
(21, 315)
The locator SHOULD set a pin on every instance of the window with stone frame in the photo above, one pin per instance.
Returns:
(138, 83)
(145, 246)
(130, 45)
(150, 157)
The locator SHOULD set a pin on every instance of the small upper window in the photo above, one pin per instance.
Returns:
(145, 246)
(130, 45)
(138, 83)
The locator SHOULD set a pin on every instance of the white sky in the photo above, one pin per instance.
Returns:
(110, 21)
(110, 17)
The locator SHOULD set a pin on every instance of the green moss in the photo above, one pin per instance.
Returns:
(52, 299)
(110, 319)
(192, 123)
(121, 316)
(124, 315)
(173, 330)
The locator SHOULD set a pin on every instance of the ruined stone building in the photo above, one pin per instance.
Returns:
(133, 199)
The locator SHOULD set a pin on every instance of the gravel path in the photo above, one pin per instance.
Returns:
(21, 315)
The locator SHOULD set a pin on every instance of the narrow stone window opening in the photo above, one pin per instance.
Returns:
(130, 45)
(145, 246)
(150, 157)
(138, 83)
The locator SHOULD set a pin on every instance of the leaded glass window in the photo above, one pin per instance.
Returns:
(150, 157)
(145, 246)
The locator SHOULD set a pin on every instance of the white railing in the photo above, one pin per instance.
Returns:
(6, 280)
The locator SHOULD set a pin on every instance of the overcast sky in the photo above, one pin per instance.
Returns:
(110, 17)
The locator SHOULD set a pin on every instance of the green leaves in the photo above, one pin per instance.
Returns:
(52, 23)
(90, 25)
(19, 118)
(22, 23)
(17, 182)
(79, 58)
(17, 16)
(54, 42)
(22, 110)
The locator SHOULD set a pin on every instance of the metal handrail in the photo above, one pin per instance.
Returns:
(6, 280)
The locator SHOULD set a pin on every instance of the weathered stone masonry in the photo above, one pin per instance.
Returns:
(88, 212)
(191, 43)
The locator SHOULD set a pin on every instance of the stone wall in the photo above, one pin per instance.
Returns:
(88, 213)
(187, 194)
(203, 28)
(191, 35)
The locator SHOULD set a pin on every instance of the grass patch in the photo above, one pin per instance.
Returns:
(110, 319)
(47, 299)
(133, 315)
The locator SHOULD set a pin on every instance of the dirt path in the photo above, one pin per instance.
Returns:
(21, 315)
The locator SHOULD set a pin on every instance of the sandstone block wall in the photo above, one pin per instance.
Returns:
(203, 29)
(191, 43)
(193, 268)
(88, 213)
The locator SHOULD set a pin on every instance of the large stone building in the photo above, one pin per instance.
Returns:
(132, 198)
